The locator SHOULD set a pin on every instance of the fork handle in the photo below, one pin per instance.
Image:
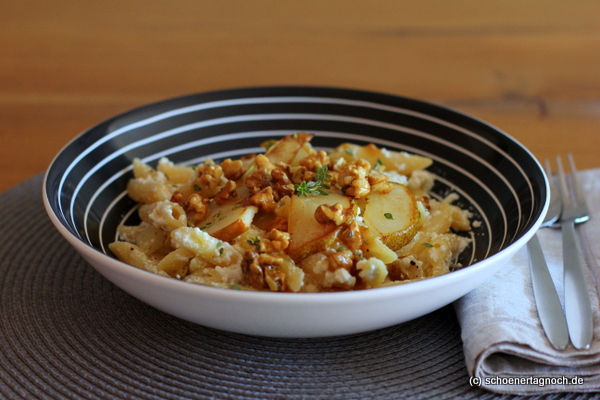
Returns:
(577, 301)
(546, 298)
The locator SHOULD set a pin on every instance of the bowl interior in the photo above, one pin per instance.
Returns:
(496, 178)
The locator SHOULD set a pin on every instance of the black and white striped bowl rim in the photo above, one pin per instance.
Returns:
(496, 178)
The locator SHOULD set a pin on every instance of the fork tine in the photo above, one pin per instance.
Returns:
(579, 198)
(548, 168)
(562, 181)
(555, 208)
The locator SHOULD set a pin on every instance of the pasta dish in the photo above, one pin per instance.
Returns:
(293, 219)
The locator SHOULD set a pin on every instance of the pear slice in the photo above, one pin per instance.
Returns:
(399, 161)
(304, 151)
(290, 149)
(307, 235)
(394, 217)
(229, 220)
(374, 247)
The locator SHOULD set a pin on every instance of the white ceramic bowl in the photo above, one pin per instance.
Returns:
(497, 179)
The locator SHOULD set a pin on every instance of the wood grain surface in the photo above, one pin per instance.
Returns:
(530, 68)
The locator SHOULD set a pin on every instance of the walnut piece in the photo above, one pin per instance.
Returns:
(379, 182)
(281, 184)
(336, 213)
(276, 241)
(233, 170)
(253, 272)
(228, 191)
(353, 178)
(300, 174)
(352, 236)
(199, 205)
(261, 271)
(179, 198)
(264, 200)
(341, 259)
(210, 179)
(314, 161)
(260, 178)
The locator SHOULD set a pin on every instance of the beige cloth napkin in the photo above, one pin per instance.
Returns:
(501, 332)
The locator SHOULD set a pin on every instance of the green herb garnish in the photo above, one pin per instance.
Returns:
(205, 226)
(315, 187)
(388, 215)
(253, 241)
(359, 253)
(427, 245)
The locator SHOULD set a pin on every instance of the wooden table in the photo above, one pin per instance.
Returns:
(530, 68)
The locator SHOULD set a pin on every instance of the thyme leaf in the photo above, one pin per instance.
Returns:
(315, 187)
(255, 241)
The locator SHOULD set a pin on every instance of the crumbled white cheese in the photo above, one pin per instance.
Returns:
(372, 271)
(396, 177)
(168, 215)
(231, 275)
(211, 249)
(339, 278)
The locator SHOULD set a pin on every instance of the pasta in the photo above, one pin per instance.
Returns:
(293, 219)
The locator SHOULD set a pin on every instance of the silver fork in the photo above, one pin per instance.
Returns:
(577, 302)
(546, 297)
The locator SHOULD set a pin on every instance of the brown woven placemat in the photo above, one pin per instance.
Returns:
(67, 333)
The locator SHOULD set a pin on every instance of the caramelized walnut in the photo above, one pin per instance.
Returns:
(260, 178)
(341, 259)
(275, 279)
(228, 191)
(282, 184)
(263, 163)
(179, 198)
(199, 205)
(300, 174)
(253, 272)
(260, 271)
(233, 170)
(336, 213)
(314, 161)
(264, 200)
(210, 179)
(276, 241)
(352, 237)
(353, 178)
(379, 182)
